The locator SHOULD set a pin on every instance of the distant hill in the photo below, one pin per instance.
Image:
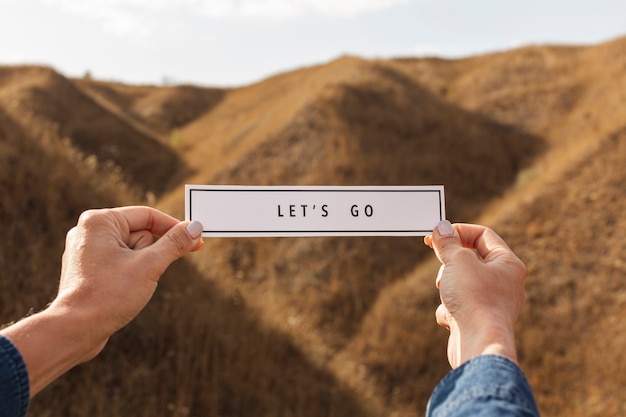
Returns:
(37, 96)
(530, 141)
(161, 109)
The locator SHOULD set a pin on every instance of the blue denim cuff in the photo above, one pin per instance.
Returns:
(486, 385)
(14, 385)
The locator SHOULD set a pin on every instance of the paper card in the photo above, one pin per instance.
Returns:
(254, 211)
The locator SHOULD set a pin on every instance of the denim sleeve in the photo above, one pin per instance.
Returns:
(14, 385)
(487, 385)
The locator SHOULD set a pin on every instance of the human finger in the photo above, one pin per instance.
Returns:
(487, 243)
(141, 239)
(440, 276)
(445, 241)
(179, 240)
(146, 218)
(442, 315)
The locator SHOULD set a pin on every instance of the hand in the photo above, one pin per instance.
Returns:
(111, 266)
(112, 263)
(481, 285)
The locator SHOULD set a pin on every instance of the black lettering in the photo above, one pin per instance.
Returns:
(324, 209)
(354, 210)
(304, 206)
(279, 213)
(369, 210)
(292, 210)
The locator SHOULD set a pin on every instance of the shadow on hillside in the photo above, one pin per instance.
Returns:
(195, 352)
(404, 134)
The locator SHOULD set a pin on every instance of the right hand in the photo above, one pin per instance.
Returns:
(481, 285)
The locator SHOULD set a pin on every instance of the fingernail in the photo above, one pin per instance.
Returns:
(445, 228)
(195, 229)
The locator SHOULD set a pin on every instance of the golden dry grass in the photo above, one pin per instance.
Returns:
(530, 141)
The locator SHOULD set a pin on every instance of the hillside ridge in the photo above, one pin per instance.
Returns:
(39, 96)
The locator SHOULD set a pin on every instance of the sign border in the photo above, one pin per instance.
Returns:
(190, 189)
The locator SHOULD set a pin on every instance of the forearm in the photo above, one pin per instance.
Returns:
(51, 343)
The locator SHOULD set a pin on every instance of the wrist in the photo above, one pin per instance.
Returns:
(68, 339)
(81, 330)
(487, 337)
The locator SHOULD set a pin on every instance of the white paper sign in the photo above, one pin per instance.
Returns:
(253, 211)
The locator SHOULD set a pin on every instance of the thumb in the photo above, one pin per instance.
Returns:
(178, 241)
(445, 241)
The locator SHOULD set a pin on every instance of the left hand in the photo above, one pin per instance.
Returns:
(112, 262)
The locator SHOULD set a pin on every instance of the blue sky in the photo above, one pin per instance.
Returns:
(238, 42)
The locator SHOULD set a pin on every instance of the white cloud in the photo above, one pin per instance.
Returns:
(275, 9)
(278, 9)
(345, 8)
(136, 20)
(125, 24)
(149, 22)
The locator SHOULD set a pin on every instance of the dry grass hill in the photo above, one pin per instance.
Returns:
(530, 141)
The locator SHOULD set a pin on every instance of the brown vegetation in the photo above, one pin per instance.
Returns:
(531, 142)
